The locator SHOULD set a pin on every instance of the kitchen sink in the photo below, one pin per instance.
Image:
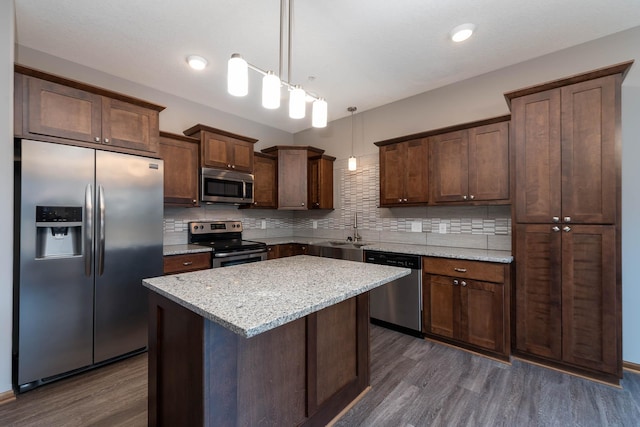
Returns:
(348, 244)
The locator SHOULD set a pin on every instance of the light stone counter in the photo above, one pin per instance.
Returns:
(183, 249)
(250, 299)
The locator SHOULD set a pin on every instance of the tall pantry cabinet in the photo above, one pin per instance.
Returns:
(566, 147)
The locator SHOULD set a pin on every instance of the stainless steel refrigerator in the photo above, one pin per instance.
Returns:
(88, 230)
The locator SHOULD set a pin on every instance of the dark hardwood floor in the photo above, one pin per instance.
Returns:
(414, 383)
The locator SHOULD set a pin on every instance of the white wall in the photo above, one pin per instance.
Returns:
(482, 97)
(6, 188)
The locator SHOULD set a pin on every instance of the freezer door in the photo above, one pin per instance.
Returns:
(129, 217)
(54, 295)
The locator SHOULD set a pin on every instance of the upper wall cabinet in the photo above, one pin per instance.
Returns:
(265, 172)
(305, 177)
(51, 108)
(223, 150)
(404, 173)
(181, 169)
(470, 165)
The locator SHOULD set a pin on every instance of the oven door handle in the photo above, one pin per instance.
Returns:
(230, 254)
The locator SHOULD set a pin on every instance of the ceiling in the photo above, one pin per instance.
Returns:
(363, 53)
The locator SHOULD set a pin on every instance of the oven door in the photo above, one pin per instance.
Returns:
(229, 259)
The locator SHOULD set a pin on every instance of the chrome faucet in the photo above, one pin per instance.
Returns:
(356, 236)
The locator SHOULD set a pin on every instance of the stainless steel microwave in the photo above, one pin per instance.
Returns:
(223, 186)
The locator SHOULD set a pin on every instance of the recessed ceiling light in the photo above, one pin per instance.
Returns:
(462, 32)
(197, 62)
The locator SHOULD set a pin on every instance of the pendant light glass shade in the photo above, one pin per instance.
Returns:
(237, 76)
(297, 104)
(319, 113)
(271, 91)
(352, 163)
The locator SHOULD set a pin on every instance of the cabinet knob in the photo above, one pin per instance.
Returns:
(464, 197)
(228, 165)
(233, 166)
(567, 219)
(400, 200)
(555, 219)
(194, 201)
(463, 283)
(460, 270)
(187, 263)
(106, 140)
(555, 229)
(96, 139)
(455, 282)
(404, 200)
(566, 229)
(255, 203)
(472, 197)
(302, 204)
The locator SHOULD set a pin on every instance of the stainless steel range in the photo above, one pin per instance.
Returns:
(225, 238)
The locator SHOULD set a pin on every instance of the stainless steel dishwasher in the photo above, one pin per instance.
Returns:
(398, 304)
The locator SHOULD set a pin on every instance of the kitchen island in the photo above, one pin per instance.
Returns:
(283, 342)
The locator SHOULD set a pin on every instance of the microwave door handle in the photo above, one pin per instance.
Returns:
(101, 225)
(88, 230)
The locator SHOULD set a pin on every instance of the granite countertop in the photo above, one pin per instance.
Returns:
(183, 249)
(250, 299)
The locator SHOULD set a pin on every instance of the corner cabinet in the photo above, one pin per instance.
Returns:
(181, 169)
(471, 165)
(404, 173)
(55, 109)
(223, 150)
(566, 137)
(305, 177)
(466, 303)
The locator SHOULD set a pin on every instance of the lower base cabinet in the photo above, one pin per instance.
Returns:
(467, 303)
(183, 263)
(285, 250)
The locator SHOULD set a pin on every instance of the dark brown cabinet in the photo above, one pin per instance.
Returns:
(470, 165)
(566, 137)
(223, 150)
(286, 250)
(55, 109)
(404, 174)
(320, 182)
(265, 173)
(467, 302)
(184, 263)
(305, 177)
(181, 169)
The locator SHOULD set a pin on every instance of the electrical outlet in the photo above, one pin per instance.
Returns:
(416, 226)
(442, 228)
(263, 224)
(314, 223)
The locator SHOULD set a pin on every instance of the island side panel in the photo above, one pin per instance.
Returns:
(175, 364)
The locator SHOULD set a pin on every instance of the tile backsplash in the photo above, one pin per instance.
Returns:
(483, 227)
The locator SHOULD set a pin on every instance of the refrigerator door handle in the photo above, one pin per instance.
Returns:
(88, 230)
(100, 249)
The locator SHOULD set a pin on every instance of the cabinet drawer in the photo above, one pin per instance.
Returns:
(188, 262)
(478, 270)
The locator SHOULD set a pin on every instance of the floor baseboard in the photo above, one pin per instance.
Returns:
(7, 396)
(633, 367)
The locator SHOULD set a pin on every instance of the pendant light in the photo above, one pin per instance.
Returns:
(352, 159)
(238, 80)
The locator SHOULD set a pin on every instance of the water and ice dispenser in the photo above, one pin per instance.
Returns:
(58, 231)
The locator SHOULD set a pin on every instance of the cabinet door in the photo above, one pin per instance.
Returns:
(173, 264)
(292, 179)
(489, 162)
(181, 170)
(273, 251)
(392, 172)
(241, 156)
(590, 311)
(61, 111)
(265, 169)
(538, 290)
(482, 314)
(417, 174)
(214, 151)
(440, 315)
(449, 155)
(536, 133)
(589, 120)
(320, 176)
(129, 126)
